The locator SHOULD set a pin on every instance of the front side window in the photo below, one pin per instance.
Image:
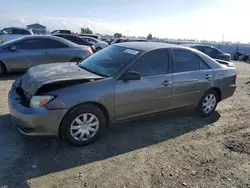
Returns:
(7, 31)
(185, 61)
(109, 61)
(29, 45)
(153, 63)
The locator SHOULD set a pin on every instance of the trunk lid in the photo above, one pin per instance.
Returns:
(41, 75)
(227, 63)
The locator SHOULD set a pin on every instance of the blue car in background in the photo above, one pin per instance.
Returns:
(211, 51)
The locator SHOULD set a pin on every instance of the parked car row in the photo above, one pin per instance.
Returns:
(79, 101)
(22, 53)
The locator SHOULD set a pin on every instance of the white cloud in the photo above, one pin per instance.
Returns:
(208, 23)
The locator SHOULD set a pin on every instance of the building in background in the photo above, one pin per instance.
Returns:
(37, 28)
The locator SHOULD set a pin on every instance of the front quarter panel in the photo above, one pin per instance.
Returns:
(101, 92)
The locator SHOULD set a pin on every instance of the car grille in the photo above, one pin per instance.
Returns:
(24, 97)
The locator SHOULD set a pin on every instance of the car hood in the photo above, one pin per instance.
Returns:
(38, 76)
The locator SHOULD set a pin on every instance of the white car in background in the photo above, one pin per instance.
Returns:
(10, 33)
(97, 43)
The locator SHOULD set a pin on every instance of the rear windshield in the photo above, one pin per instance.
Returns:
(109, 61)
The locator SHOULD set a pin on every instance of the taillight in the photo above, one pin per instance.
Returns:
(236, 74)
(89, 51)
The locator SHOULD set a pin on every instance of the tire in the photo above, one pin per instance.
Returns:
(76, 60)
(70, 126)
(2, 69)
(208, 103)
(98, 49)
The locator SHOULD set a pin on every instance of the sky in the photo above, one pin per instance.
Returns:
(185, 19)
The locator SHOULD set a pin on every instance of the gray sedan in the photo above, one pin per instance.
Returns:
(78, 102)
(23, 53)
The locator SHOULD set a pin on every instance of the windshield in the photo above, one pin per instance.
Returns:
(109, 61)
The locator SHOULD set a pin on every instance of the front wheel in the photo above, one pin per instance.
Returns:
(98, 49)
(77, 60)
(83, 125)
(208, 103)
(2, 69)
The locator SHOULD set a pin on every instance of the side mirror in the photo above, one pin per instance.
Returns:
(12, 48)
(132, 75)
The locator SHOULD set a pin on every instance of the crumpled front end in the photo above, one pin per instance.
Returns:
(32, 121)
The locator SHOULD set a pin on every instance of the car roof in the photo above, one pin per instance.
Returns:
(202, 45)
(15, 28)
(65, 41)
(147, 46)
(55, 34)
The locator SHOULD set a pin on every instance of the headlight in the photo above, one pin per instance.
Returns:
(38, 101)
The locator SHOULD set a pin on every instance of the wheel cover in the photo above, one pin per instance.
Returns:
(209, 103)
(84, 127)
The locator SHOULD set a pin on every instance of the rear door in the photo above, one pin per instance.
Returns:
(56, 51)
(149, 94)
(191, 78)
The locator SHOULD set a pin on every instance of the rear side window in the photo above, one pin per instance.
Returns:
(211, 52)
(76, 40)
(52, 44)
(20, 32)
(153, 63)
(185, 61)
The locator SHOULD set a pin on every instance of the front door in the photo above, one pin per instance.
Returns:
(27, 53)
(151, 93)
(191, 78)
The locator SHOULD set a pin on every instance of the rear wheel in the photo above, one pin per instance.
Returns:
(77, 60)
(208, 103)
(83, 125)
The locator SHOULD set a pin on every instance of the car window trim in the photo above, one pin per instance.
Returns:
(173, 60)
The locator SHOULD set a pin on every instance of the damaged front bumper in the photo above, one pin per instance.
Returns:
(34, 121)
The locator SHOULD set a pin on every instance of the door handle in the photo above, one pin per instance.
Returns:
(166, 83)
(208, 76)
(46, 52)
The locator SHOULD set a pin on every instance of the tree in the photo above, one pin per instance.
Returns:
(86, 31)
(117, 35)
(149, 37)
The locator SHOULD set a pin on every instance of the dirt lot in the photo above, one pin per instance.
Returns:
(175, 150)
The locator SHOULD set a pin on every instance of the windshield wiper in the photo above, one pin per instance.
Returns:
(97, 73)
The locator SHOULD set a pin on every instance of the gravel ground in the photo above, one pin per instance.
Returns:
(174, 150)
